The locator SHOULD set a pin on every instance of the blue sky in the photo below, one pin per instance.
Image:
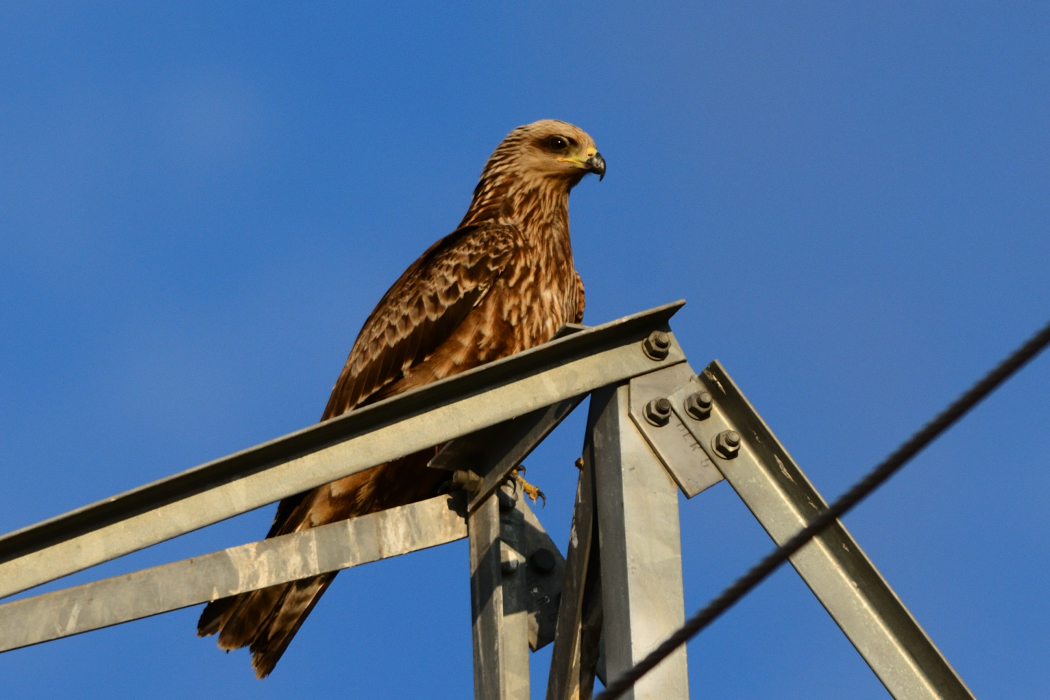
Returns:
(199, 205)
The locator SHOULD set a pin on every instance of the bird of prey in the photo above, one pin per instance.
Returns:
(502, 282)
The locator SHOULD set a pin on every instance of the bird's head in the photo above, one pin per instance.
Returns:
(550, 149)
(558, 149)
(535, 163)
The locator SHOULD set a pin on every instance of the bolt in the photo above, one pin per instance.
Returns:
(658, 411)
(698, 405)
(543, 561)
(507, 496)
(465, 479)
(657, 345)
(726, 444)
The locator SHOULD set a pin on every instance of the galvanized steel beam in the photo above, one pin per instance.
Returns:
(235, 570)
(641, 556)
(574, 657)
(491, 453)
(430, 415)
(672, 442)
(500, 628)
(835, 568)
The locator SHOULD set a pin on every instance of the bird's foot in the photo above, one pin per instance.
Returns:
(531, 491)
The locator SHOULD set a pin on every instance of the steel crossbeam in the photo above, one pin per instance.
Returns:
(361, 439)
(654, 428)
(235, 570)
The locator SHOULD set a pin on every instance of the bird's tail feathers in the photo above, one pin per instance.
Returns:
(265, 620)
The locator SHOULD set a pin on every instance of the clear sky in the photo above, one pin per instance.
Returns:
(201, 202)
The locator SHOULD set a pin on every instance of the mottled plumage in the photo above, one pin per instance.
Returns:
(502, 282)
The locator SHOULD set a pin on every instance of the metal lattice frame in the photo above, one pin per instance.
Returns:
(655, 427)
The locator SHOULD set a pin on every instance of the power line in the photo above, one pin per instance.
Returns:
(855, 495)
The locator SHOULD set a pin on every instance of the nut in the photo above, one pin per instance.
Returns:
(698, 405)
(543, 561)
(657, 345)
(726, 444)
(658, 411)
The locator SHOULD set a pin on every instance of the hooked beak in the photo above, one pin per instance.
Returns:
(596, 164)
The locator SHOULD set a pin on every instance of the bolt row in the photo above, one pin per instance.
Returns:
(698, 407)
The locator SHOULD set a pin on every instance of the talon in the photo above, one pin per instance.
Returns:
(531, 491)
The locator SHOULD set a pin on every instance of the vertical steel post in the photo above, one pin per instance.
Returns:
(641, 556)
(498, 597)
(575, 655)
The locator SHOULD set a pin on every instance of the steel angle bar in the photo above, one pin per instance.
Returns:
(500, 628)
(640, 549)
(684, 459)
(834, 567)
(571, 675)
(235, 570)
(513, 587)
(427, 416)
(493, 452)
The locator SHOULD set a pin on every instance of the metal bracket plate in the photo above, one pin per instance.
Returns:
(676, 447)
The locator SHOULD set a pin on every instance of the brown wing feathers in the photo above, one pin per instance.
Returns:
(504, 281)
(420, 311)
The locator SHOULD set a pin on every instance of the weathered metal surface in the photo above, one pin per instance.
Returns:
(676, 447)
(486, 601)
(835, 568)
(514, 637)
(564, 680)
(497, 601)
(491, 453)
(641, 558)
(544, 574)
(431, 415)
(235, 570)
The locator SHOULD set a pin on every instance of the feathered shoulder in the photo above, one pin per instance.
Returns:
(421, 310)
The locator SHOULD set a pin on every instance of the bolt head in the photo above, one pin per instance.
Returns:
(657, 345)
(658, 412)
(698, 405)
(507, 496)
(726, 444)
(466, 480)
(543, 561)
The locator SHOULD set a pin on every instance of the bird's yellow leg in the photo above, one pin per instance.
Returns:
(531, 491)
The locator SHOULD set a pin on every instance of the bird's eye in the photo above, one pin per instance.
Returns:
(557, 143)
